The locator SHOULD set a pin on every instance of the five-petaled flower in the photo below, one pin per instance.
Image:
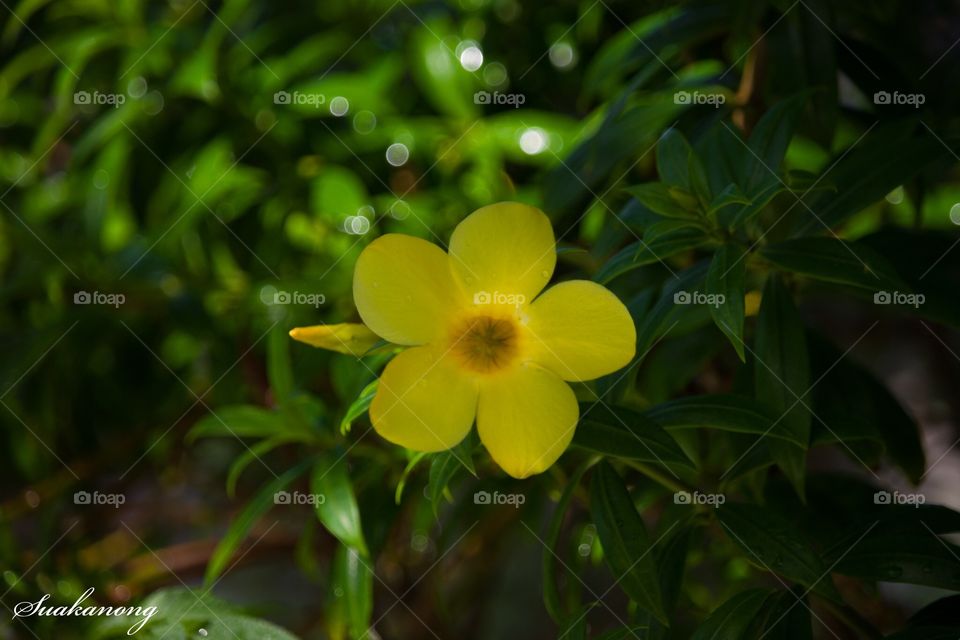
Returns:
(482, 343)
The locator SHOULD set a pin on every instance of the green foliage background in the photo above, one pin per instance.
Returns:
(720, 147)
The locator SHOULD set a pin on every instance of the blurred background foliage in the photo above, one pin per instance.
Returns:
(159, 151)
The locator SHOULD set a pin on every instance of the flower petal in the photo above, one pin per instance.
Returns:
(348, 337)
(423, 402)
(506, 248)
(404, 290)
(581, 331)
(526, 418)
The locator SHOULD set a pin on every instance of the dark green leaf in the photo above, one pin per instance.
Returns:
(893, 554)
(870, 171)
(738, 414)
(768, 143)
(856, 405)
(782, 376)
(623, 433)
(788, 616)
(774, 544)
(624, 540)
(244, 421)
(835, 260)
(642, 252)
(666, 313)
(551, 553)
(673, 153)
(726, 278)
(668, 201)
(734, 617)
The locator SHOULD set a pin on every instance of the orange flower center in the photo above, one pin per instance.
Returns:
(485, 344)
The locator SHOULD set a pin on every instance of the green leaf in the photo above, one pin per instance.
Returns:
(337, 509)
(259, 505)
(774, 544)
(359, 406)
(837, 261)
(869, 171)
(550, 555)
(624, 540)
(244, 421)
(726, 278)
(736, 217)
(352, 584)
(729, 195)
(254, 452)
(279, 371)
(445, 465)
(782, 376)
(181, 611)
(734, 617)
(670, 202)
(854, 403)
(642, 253)
(897, 554)
(673, 154)
(666, 313)
(927, 261)
(737, 414)
(623, 433)
(768, 142)
(788, 616)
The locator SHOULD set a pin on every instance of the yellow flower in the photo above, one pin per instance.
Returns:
(483, 344)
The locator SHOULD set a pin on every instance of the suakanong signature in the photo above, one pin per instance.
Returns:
(39, 608)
